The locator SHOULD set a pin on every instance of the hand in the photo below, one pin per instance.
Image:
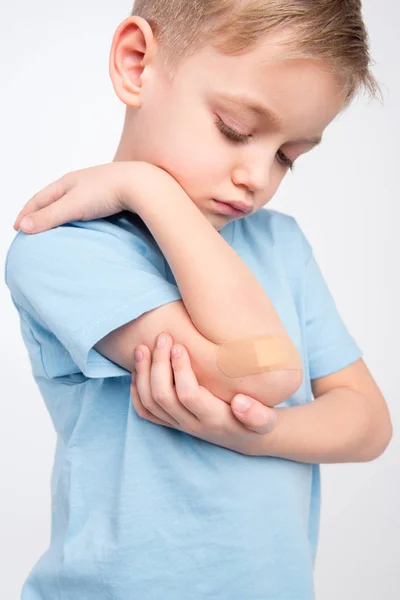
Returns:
(185, 405)
(93, 193)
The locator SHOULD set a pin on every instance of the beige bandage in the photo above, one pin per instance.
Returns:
(253, 355)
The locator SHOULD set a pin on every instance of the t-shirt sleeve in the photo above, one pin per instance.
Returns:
(76, 283)
(330, 346)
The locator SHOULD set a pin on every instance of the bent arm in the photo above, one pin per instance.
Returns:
(224, 299)
(268, 388)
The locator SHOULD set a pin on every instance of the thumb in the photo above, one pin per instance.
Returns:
(254, 415)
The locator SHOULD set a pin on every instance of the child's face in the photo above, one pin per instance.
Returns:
(176, 125)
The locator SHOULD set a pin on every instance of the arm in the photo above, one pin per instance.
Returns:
(343, 424)
(224, 299)
(173, 318)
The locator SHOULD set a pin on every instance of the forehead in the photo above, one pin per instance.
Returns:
(300, 95)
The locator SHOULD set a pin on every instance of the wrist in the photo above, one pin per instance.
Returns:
(267, 444)
(146, 189)
(133, 184)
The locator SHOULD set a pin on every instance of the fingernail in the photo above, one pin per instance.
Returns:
(176, 352)
(138, 355)
(243, 403)
(161, 340)
(27, 224)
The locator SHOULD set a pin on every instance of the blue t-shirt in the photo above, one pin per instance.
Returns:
(141, 511)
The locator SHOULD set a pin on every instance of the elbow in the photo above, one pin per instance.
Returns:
(283, 384)
(275, 387)
(269, 387)
(377, 440)
(291, 381)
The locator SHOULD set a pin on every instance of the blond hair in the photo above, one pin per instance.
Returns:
(328, 30)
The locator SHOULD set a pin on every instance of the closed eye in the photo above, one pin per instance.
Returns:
(241, 138)
(232, 135)
(285, 160)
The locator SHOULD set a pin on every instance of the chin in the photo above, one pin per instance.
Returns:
(218, 222)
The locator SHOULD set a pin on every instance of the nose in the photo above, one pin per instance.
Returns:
(253, 172)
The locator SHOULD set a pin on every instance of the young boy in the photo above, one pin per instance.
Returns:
(145, 512)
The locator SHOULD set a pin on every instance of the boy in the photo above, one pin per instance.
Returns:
(148, 512)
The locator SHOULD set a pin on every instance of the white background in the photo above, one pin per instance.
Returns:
(58, 112)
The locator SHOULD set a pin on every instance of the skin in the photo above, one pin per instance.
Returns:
(174, 124)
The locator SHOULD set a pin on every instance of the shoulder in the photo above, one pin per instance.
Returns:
(113, 232)
(78, 249)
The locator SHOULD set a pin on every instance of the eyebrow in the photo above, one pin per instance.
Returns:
(265, 113)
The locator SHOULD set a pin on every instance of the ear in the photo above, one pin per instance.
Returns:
(133, 49)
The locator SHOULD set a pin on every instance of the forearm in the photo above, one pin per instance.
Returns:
(339, 426)
(223, 297)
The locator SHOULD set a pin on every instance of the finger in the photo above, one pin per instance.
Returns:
(254, 415)
(46, 196)
(161, 376)
(68, 208)
(143, 385)
(161, 370)
(143, 412)
(189, 393)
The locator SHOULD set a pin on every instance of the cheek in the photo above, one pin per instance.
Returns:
(277, 178)
(190, 150)
(193, 170)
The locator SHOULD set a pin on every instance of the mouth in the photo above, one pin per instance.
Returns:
(227, 209)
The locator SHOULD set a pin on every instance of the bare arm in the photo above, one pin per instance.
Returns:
(173, 318)
(348, 422)
(224, 299)
(221, 294)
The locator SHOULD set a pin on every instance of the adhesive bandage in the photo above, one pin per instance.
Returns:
(257, 354)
